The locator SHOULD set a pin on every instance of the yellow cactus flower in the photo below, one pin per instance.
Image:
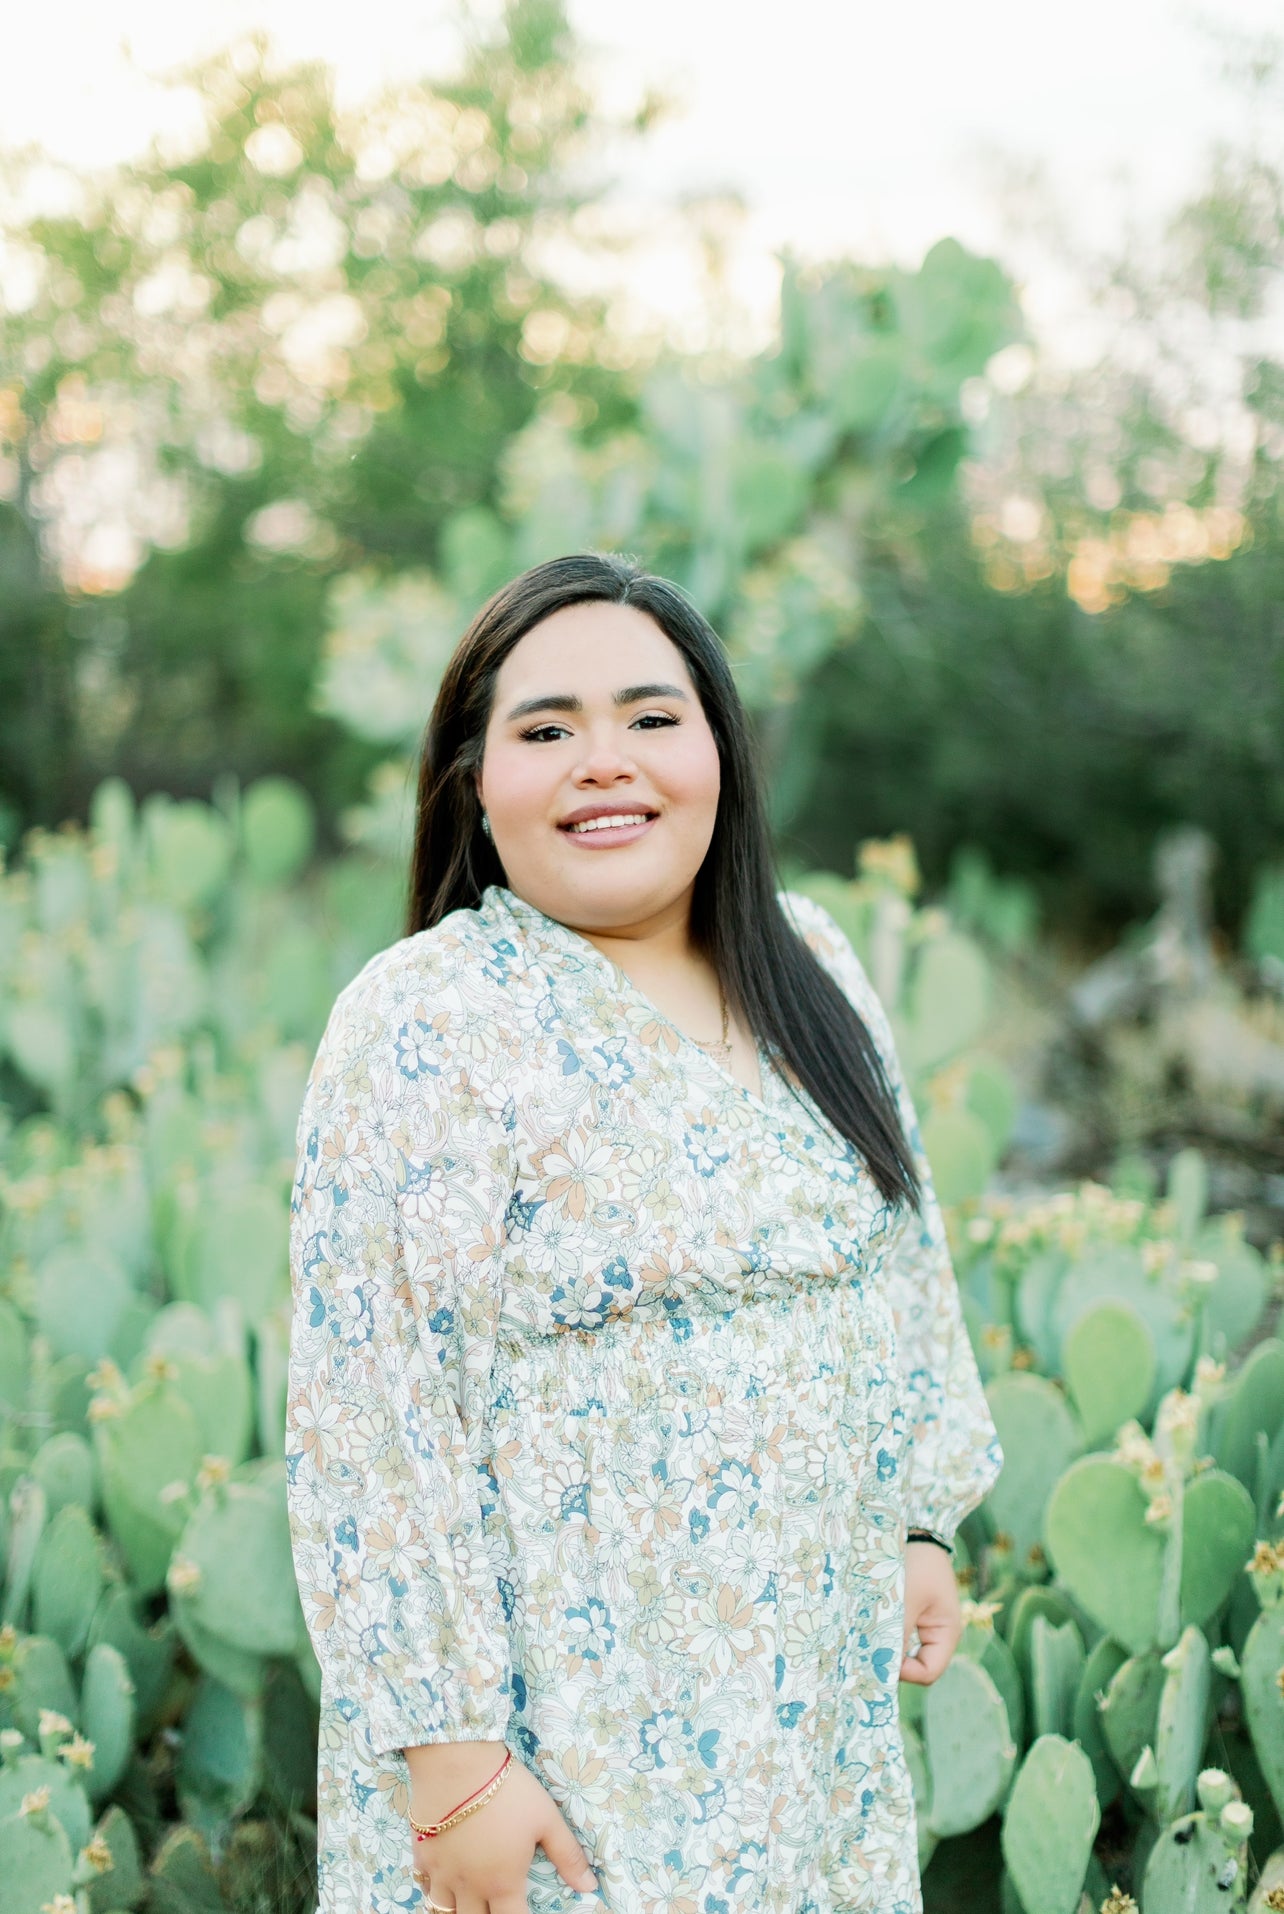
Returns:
(78, 1752)
(97, 1855)
(36, 1802)
(184, 1576)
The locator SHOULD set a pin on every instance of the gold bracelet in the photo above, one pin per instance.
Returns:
(426, 1830)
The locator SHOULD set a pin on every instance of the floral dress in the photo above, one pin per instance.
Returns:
(613, 1388)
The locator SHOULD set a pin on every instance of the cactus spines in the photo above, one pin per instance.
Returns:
(1050, 1824)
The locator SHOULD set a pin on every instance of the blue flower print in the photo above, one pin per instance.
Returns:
(590, 1630)
(706, 1147)
(416, 1051)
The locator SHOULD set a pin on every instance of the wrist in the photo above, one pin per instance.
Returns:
(931, 1536)
(443, 1772)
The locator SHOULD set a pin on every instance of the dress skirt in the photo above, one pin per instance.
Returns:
(701, 1561)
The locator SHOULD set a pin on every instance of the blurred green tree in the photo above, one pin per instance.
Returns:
(240, 371)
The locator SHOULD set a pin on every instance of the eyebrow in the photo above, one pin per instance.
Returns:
(567, 701)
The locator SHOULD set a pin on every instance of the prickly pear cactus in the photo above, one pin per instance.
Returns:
(1262, 1671)
(1199, 1862)
(1050, 1824)
(968, 1747)
(36, 1861)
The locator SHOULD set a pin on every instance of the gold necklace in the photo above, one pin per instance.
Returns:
(720, 1050)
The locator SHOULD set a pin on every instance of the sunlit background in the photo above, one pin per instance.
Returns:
(938, 351)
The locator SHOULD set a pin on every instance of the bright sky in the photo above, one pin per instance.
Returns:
(847, 127)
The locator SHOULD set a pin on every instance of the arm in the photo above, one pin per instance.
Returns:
(404, 1174)
(954, 1456)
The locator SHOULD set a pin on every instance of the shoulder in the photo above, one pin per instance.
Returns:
(436, 981)
(831, 945)
(821, 933)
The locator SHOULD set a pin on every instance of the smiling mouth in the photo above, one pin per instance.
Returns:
(611, 828)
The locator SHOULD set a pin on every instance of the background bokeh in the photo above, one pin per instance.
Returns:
(972, 454)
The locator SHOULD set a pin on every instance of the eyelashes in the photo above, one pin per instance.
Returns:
(536, 733)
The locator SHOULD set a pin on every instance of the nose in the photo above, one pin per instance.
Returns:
(605, 761)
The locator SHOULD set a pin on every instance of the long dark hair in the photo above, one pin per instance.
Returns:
(771, 978)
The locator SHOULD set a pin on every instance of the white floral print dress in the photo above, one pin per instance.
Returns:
(613, 1388)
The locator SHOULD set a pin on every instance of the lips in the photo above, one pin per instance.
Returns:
(602, 828)
(589, 813)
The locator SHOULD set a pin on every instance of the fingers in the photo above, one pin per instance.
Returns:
(936, 1645)
(567, 1856)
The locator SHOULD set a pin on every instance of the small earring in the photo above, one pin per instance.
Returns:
(486, 824)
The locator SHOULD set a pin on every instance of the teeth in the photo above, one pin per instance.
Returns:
(610, 823)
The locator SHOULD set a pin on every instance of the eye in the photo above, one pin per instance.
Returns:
(538, 732)
(656, 717)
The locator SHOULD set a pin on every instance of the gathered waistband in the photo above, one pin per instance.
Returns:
(769, 1342)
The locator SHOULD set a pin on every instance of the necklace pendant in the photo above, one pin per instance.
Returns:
(720, 1052)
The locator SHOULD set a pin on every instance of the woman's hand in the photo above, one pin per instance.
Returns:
(932, 1607)
(481, 1865)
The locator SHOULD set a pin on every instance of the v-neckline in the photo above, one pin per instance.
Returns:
(553, 928)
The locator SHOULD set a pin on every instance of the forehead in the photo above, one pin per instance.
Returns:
(590, 645)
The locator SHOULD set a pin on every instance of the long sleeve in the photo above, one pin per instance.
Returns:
(954, 1452)
(404, 1174)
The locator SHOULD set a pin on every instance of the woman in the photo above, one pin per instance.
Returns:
(621, 1368)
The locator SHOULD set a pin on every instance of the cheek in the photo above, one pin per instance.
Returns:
(514, 778)
(691, 775)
